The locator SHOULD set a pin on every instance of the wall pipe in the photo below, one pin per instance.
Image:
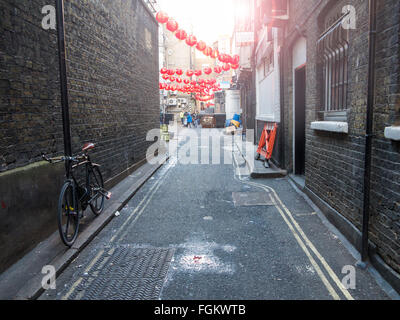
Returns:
(282, 98)
(369, 131)
(63, 79)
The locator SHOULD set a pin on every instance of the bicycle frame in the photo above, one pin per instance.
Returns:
(85, 198)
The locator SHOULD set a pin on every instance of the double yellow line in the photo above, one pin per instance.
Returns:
(306, 245)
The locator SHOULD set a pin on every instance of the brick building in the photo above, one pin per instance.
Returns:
(112, 68)
(310, 70)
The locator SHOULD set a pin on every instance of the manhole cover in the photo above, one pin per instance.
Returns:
(124, 274)
(250, 199)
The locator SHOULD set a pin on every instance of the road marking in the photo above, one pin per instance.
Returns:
(331, 290)
(313, 249)
(294, 225)
(137, 215)
(147, 197)
(77, 283)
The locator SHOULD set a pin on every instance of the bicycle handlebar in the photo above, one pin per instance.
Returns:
(64, 158)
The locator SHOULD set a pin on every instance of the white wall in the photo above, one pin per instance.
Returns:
(232, 103)
(268, 90)
(299, 53)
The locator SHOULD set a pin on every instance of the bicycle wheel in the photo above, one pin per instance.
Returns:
(97, 191)
(68, 214)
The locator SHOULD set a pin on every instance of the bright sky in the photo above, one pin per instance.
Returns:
(209, 18)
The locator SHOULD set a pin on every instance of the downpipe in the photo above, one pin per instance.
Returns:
(282, 99)
(63, 81)
(369, 135)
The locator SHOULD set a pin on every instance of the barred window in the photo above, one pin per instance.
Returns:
(333, 48)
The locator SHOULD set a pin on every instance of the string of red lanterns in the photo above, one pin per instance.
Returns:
(201, 87)
(192, 87)
(191, 40)
(198, 73)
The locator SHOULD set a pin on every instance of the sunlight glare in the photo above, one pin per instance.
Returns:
(207, 19)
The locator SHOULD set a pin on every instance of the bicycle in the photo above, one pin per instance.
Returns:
(75, 198)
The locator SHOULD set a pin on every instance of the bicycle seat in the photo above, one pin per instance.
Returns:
(88, 146)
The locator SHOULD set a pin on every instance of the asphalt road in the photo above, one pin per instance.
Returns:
(203, 231)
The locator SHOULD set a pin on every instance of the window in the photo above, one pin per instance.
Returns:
(333, 47)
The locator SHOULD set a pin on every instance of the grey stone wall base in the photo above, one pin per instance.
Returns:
(354, 236)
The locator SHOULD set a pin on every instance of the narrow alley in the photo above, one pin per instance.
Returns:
(167, 152)
(197, 232)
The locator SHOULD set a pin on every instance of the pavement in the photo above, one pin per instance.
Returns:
(203, 231)
(256, 168)
(23, 280)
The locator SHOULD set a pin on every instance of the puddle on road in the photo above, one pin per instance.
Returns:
(199, 257)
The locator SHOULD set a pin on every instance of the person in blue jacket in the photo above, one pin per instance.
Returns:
(189, 120)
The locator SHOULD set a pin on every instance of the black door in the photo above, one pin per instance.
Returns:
(300, 120)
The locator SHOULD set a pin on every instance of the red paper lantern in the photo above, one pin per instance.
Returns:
(162, 86)
(179, 80)
(186, 81)
(193, 83)
(172, 79)
(214, 54)
(218, 69)
(198, 73)
(191, 40)
(226, 67)
(235, 66)
(189, 73)
(161, 17)
(207, 70)
(165, 77)
(171, 72)
(225, 58)
(228, 59)
(236, 59)
(207, 51)
(164, 70)
(201, 46)
(181, 34)
(172, 25)
(179, 72)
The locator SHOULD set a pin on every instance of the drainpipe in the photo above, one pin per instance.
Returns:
(369, 131)
(254, 75)
(282, 98)
(63, 79)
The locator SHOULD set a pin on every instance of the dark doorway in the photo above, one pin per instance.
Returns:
(300, 120)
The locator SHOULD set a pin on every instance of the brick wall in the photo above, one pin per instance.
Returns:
(335, 162)
(385, 187)
(30, 114)
(112, 67)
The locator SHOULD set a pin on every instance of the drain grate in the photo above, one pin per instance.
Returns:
(250, 199)
(125, 274)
